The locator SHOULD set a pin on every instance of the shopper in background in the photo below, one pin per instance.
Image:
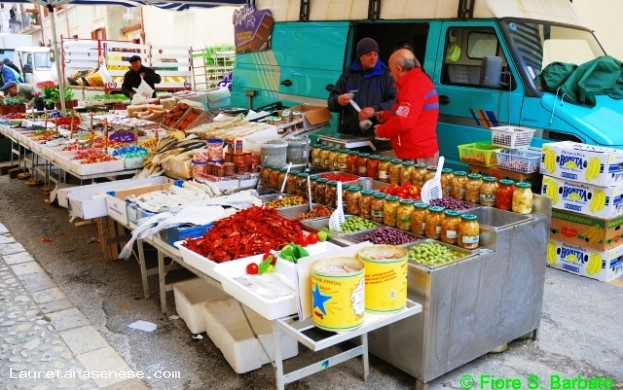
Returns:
(8, 74)
(13, 89)
(132, 78)
(411, 125)
(12, 65)
(369, 83)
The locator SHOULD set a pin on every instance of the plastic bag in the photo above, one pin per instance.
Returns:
(144, 90)
(103, 72)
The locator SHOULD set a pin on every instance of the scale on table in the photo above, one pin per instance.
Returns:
(345, 141)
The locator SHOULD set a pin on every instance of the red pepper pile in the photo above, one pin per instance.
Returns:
(405, 191)
(339, 176)
(249, 232)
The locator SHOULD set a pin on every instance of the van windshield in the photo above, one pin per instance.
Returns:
(42, 60)
(540, 44)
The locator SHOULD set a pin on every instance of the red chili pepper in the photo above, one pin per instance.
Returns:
(339, 177)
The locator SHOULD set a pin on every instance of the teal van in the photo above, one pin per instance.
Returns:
(484, 56)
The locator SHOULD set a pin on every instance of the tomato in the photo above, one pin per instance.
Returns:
(270, 256)
(302, 240)
(252, 269)
(312, 238)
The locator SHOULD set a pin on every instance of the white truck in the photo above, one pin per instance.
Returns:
(10, 42)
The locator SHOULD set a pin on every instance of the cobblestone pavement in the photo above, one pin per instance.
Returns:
(45, 342)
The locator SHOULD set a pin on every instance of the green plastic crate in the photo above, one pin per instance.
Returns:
(479, 153)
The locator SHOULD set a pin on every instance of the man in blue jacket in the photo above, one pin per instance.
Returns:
(369, 83)
(7, 75)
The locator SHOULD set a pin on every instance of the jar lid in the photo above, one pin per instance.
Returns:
(421, 205)
(317, 145)
(522, 184)
(375, 156)
(354, 188)
(354, 152)
(408, 163)
(431, 168)
(436, 209)
(392, 198)
(321, 180)
(215, 141)
(325, 147)
(364, 154)
(332, 183)
(198, 162)
(490, 179)
(406, 201)
(379, 195)
(469, 217)
(451, 213)
(282, 169)
(334, 149)
(420, 166)
(385, 158)
(367, 192)
(302, 174)
(396, 161)
(314, 177)
(294, 172)
(507, 182)
(345, 187)
(447, 170)
(460, 173)
(474, 176)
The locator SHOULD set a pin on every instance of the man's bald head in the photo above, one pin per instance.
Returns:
(402, 61)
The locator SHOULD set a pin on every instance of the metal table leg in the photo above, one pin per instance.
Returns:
(143, 267)
(278, 359)
(161, 283)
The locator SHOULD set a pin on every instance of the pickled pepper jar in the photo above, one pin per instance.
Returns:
(433, 222)
(407, 170)
(353, 196)
(418, 218)
(446, 181)
(430, 173)
(351, 162)
(487, 191)
(315, 155)
(450, 226)
(504, 194)
(403, 214)
(472, 188)
(384, 164)
(522, 198)
(365, 204)
(458, 184)
(282, 177)
(469, 232)
(345, 188)
(330, 194)
(319, 186)
(333, 153)
(418, 175)
(301, 185)
(265, 175)
(342, 160)
(362, 164)
(274, 178)
(395, 169)
(373, 166)
(377, 207)
(292, 183)
(324, 156)
(390, 208)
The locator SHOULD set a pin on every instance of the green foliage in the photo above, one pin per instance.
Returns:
(210, 54)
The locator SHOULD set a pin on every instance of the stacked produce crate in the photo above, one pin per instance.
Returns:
(585, 184)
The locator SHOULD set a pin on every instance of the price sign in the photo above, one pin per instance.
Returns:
(111, 84)
(187, 85)
(123, 137)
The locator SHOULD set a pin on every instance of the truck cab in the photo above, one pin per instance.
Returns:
(36, 63)
(484, 59)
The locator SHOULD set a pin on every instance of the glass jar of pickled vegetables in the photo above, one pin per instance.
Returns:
(274, 178)
(373, 166)
(469, 232)
(330, 194)
(292, 184)
(403, 214)
(459, 179)
(418, 218)
(362, 164)
(384, 164)
(430, 173)
(377, 207)
(433, 222)
(522, 198)
(282, 178)
(265, 175)
(450, 226)
(418, 175)
(333, 152)
(342, 160)
(324, 156)
(365, 204)
(390, 208)
(301, 184)
(405, 173)
(345, 188)
(318, 189)
(353, 196)
(395, 169)
(351, 163)
(472, 188)
(504, 194)
(446, 181)
(487, 191)
(315, 155)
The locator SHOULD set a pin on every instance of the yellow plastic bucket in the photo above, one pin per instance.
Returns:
(386, 277)
(337, 293)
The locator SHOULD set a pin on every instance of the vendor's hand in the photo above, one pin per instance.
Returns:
(379, 116)
(366, 113)
(344, 99)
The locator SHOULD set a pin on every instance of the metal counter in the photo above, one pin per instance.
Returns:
(474, 305)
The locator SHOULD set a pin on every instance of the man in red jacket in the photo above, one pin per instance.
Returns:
(411, 123)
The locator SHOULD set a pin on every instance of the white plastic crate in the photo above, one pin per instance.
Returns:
(511, 137)
(190, 296)
(520, 160)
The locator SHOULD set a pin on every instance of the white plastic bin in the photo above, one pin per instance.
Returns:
(190, 296)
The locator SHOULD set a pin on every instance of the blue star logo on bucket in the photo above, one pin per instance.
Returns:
(319, 301)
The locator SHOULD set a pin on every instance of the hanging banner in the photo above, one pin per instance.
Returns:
(252, 29)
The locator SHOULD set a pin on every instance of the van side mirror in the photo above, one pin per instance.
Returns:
(27, 68)
(491, 72)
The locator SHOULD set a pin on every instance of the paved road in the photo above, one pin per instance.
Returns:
(72, 302)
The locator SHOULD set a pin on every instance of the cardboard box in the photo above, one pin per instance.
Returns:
(89, 201)
(600, 265)
(600, 202)
(177, 167)
(585, 230)
(313, 116)
(117, 206)
(583, 163)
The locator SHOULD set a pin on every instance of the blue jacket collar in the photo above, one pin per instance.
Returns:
(376, 71)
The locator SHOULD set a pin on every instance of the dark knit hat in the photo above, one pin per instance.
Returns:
(134, 58)
(366, 45)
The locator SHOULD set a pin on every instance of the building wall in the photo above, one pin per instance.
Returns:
(603, 16)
